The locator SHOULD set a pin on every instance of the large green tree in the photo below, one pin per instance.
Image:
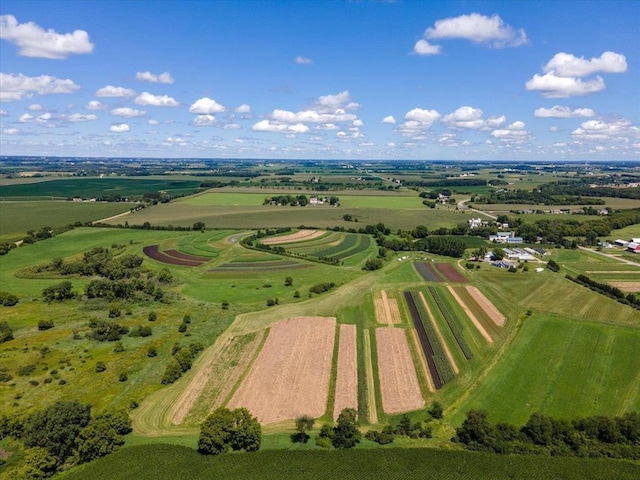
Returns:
(346, 433)
(226, 430)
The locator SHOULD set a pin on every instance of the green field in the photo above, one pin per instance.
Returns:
(16, 218)
(86, 187)
(174, 462)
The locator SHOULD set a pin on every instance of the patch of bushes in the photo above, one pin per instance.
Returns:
(322, 287)
(6, 333)
(8, 299)
(25, 370)
(45, 324)
(106, 331)
(141, 331)
(181, 362)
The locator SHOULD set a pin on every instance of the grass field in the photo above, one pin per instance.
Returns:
(99, 187)
(16, 218)
(174, 462)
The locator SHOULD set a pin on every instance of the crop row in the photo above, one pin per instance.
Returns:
(365, 242)
(152, 251)
(349, 242)
(427, 272)
(439, 366)
(452, 322)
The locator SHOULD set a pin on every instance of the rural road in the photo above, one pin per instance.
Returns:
(623, 260)
(464, 205)
(112, 217)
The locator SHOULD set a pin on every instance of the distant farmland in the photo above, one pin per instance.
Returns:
(98, 187)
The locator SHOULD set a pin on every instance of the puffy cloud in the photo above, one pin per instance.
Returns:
(562, 112)
(153, 122)
(553, 86)
(514, 133)
(33, 41)
(304, 61)
(115, 92)
(465, 117)
(232, 126)
(332, 102)
(423, 116)
(146, 98)
(119, 128)
(206, 106)
(204, 120)
(389, 119)
(10, 131)
(153, 78)
(422, 47)
(312, 116)
(567, 65)
(358, 123)
(79, 117)
(620, 129)
(479, 29)
(41, 119)
(244, 108)
(16, 86)
(95, 105)
(128, 112)
(268, 126)
(34, 107)
(494, 122)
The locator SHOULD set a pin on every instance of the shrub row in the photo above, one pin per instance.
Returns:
(606, 289)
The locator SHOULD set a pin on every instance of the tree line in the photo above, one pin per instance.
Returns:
(595, 436)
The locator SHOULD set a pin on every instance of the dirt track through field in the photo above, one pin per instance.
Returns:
(398, 379)
(290, 376)
(626, 286)
(604, 272)
(347, 376)
(294, 237)
(387, 310)
(470, 314)
(486, 305)
(445, 347)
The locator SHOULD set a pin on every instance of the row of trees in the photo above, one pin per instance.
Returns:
(596, 436)
(606, 289)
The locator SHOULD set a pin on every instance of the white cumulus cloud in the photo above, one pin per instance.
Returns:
(79, 117)
(16, 86)
(552, 86)
(268, 126)
(465, 117)
(567, 65)
(204, 120)
(389, 119)
(146, 98)
(33, 41)
(128, 112)
(244, 108)
(478, 28)
(35, 107)
(558, 111)
(10, 131)
(304, 61)
(423, 47)
(115, 92)
(119, 128)
(153, 78)
(423, 116)
(95, 105)
(206, 106)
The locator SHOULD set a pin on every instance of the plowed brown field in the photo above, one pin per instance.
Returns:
(470, 314)
(398, 380)
(290, 376)
(387, 311)
(626, 286)
(347, 377)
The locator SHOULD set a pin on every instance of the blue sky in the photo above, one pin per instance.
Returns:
(543, 80)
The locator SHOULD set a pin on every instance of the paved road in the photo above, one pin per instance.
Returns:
(623, 260)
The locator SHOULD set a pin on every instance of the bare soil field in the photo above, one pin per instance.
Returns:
(470, 314)
(294, 237)
(486, 305)
(450, 273)
(347, 376)
(290, 376)
(387, 311)
(152, 251)
(398, 379)
(208, 389)
(626, 286)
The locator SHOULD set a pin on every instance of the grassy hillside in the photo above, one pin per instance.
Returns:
(167, 462)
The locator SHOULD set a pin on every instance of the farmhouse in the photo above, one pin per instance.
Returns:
(500, 237)
(475, 223)
(622, 243)
(633, 247)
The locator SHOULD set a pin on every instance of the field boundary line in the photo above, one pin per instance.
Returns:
(470, 314)
(371, 394)
(432, 319)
